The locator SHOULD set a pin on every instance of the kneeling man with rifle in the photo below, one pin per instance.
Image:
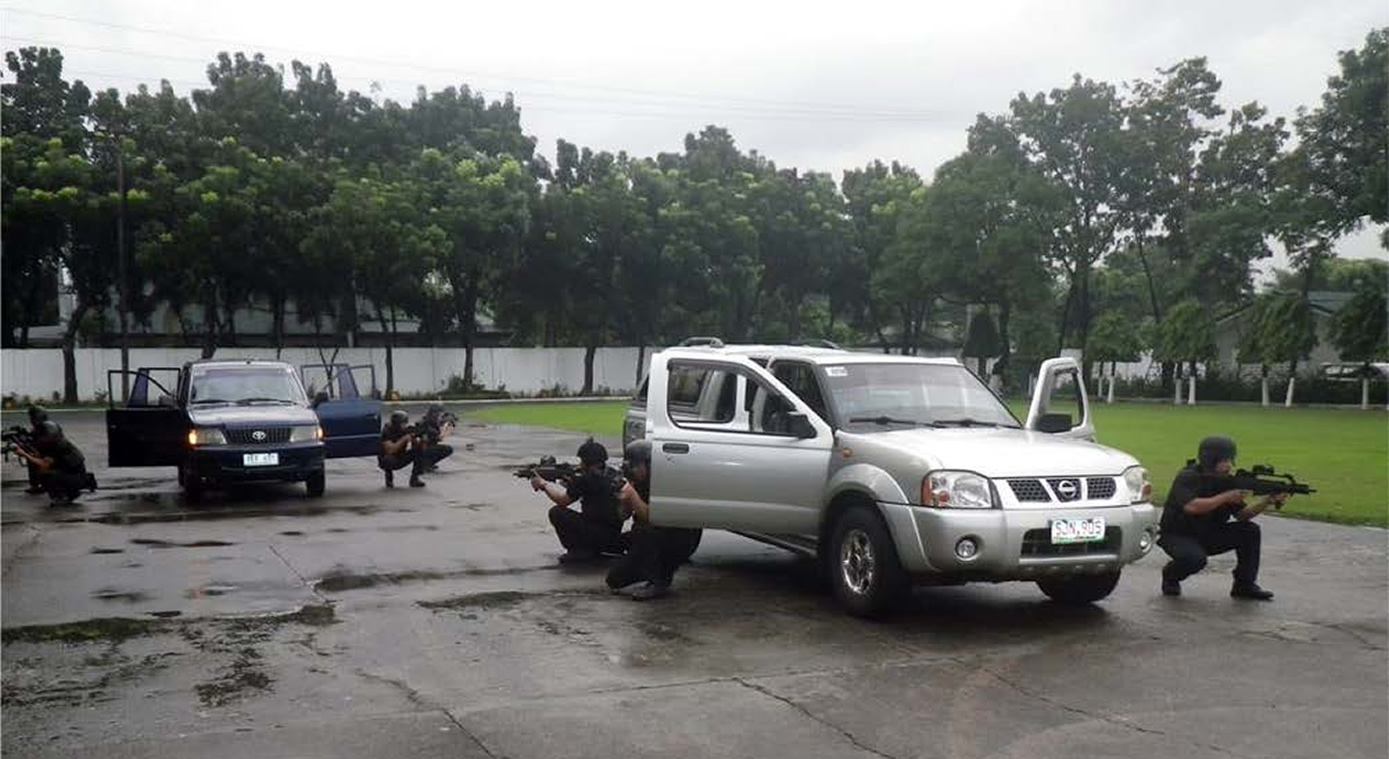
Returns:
(1196, 518)
(597, 527)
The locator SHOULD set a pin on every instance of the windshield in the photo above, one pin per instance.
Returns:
(893, 396)
(245, 385)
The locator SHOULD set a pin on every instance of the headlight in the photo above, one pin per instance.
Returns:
(305, 434)
(956, 490)
(206, 436)
(1136, 480)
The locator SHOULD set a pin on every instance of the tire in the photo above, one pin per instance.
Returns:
(315, 483)
(1079, 589)
(689, 545)
(865, 572)
(192, 486)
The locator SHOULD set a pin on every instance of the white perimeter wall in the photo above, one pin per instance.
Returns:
(38, 373)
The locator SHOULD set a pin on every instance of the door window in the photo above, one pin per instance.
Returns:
(1065, 397)
(801, 379)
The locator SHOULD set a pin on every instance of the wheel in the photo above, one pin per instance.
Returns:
(1079, 589)
(315, 484)
(688, 545)
(865, 572)
(192, 486)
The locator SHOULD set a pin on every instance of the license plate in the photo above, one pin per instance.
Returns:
(260, 459)
(1065, 531)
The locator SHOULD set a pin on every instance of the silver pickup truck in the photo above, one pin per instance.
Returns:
(892, 469)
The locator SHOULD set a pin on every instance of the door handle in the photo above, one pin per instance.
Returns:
(675, 448)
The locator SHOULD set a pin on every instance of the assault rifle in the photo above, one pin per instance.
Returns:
(1261, 479)
(549, 469)
(562, 471)
(16, 438)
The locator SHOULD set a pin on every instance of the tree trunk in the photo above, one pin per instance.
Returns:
(1177, 387)
(277, 308)
(210, 326)
(1148, 274)
(795, 319)
(1113, 367)
(590, 351)
(1065, 314)
(1364, 393)
(878, 327)
(389, 338)
(1263, 384)
(1005, 348)
(1191, 389)
(69, 354)
(469, 325)
(1292, 383)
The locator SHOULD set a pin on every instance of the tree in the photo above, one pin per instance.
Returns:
(1283, 331)
(1115, 338)
(877, 196)
(981, 340)
(1185, 336)
(1343, 139)
(1360, 332)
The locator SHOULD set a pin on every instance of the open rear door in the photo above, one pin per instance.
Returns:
(150, 430)
(1060, 405)
(351, 420)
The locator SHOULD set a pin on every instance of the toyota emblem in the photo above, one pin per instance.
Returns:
(258, 436)
(1067, 489)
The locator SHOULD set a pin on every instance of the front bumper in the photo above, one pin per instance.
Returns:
(926, 539)
(225, 463)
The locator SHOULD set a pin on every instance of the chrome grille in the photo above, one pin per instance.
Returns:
(1067, 489)
(1099, 488)
(1029, 491)
(1037, 543)
(257, 435)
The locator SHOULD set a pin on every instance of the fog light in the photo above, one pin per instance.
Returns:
(1145, 541)
(966, 549)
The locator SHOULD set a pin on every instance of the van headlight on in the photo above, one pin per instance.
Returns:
(1136, 480)
(946, 489)
(206, 436)
(305, 433)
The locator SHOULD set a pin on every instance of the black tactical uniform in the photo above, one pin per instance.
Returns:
(655, 552)
(597, 527)
(431, 450)
(395, 429)
(1190, 538)
(67, 476)
(37, 416)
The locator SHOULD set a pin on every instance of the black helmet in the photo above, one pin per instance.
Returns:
(399, 417)
(592, 452)
(50, 431)
(637, 452)
(1214, 450)
(37, 415)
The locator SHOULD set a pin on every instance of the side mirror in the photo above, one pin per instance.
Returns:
(1054, 423)
(799, 426)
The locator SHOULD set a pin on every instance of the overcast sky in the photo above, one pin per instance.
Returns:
(818, 86)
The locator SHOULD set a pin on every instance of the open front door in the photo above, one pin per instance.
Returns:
(1060, 405)
(151, 429)
(755, 463)
(351, 420)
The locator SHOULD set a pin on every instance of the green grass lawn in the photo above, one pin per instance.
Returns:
(1344, 454)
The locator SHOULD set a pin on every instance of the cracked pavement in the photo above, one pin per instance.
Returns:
(436, 622)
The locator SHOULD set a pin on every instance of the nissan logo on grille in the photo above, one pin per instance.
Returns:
(258, 436)
(1066, 490)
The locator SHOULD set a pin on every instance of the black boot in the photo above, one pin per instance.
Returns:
(1250, 591)
(415, 481)
(390, 478)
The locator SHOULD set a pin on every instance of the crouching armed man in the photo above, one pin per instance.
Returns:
(62, 469)
(655, 552)
(597, 527)
(399, 449)
(1196, 522)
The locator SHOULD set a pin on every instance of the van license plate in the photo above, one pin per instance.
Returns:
(273, 459)
(1065, 531)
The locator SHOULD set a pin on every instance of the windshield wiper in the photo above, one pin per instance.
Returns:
(208, 401)
(968, 422)
(248, 401)
(886, 420)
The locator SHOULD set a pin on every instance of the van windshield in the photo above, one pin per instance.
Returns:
(245, 385)
(893, 396)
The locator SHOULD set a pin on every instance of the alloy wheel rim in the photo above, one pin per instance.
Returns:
(857, 564)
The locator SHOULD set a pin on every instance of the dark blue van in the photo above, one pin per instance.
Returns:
(240, 420)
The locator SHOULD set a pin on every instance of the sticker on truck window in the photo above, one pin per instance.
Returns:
(836, 371)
